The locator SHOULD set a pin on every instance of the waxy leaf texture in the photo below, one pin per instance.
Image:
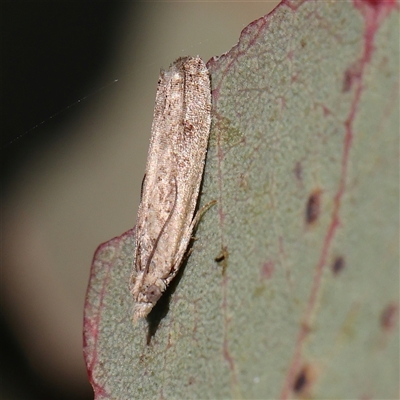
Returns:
(291, 288)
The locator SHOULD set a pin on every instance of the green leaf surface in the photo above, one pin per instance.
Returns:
(292, 286)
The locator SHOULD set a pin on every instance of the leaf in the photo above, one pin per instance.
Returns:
(291, 289)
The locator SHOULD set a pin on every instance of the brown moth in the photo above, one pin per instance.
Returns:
(170, 188)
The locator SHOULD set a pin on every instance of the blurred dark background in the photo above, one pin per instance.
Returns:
(51, 54)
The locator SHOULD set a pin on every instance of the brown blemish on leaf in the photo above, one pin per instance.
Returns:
(222, 259)
(304, 380)
(347, 81)
(224, 130)
(351, 75)
(338, 264)
(300, 382)
(313, 207)
(243, 182)
(389, 317)
(267, 270)
(298, 171)
(258, 291)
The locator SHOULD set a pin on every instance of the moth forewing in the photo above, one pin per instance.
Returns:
(175, 163)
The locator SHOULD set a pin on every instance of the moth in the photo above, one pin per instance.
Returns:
(170, 188)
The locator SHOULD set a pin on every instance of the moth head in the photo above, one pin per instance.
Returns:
(153, 293)
(148, 299)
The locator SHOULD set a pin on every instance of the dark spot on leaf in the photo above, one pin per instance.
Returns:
(303, 381)
(313, 207)
(222, 258)
(300, 382)
(243, 182)
(338, 264)
(347, 81)
(351, 75)
(192, 380)
(389, 316)
(303, 43)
